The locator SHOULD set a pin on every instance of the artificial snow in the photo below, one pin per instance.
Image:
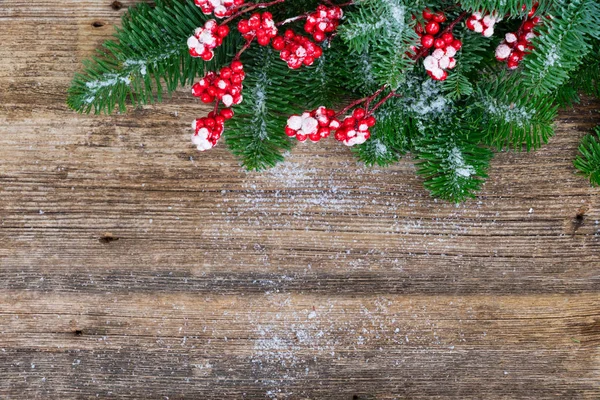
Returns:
(429, 100)
(510, 113)
(457, 162)
(553, 57)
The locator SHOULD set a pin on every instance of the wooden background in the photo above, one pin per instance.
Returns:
(131, 266)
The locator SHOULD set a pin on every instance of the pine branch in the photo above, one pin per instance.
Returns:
(511, 118)
(385, 29)
(149, 51)
(588, 160)
(563, 43)
(452, 162)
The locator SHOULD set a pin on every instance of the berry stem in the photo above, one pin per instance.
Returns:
(382, 102)
(243, 49)
(449, 28)
(293, 19)
(251, 8)
(366, 100)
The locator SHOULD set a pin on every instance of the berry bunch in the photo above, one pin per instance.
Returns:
(482, 24)
(226, 86)
(515, 46)
(221, 8)
(324, 20)
(442, 58)
(208, 130)
(445, 45)
(314, 125)
(355, 128)
(206, 38)
(296, 50)
(260, 26)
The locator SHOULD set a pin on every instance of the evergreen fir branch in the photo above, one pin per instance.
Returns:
(563, 42)
(511, 118)
(150, 50)
(588, 160)
(390, 138)
(452, 162)
(356, 73)
(385, 29)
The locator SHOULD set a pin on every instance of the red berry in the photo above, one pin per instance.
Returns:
(457, 44)
(223, 31)
(278, 43)
(439, 43)
(470, 24)
(237, 66)
(427, 41)
(227, 113)
(243, 27)
(432, 28)
(359, 113)
(263, 40)
(512, 64)
(319, 36)
(315, 137)
(448, 38)
(290, 132)
(210, 122)
(439, 17)
(427, 14)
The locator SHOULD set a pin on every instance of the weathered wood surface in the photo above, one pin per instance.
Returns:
(133, 267)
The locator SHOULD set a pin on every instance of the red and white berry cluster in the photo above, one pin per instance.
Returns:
(432, 27)
(354, 129)
(260, 25)
(296, 50)
(444, 45)
(442, 58)
(323, 21)
(206, 38)
(314, 125)
(226, 86)
(516, 45)
(483, 24)
(208, 130)
(221, 8)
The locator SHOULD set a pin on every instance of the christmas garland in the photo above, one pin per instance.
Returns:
(448, 82)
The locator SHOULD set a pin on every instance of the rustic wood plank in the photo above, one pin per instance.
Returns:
(133, 267)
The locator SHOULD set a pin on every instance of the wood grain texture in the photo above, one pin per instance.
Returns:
(133, 267)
